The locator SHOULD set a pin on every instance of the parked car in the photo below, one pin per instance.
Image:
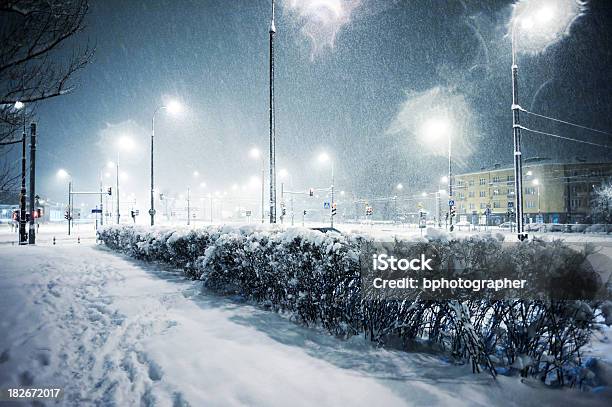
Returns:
(327, 229)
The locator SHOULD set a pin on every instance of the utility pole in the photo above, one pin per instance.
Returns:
(32, 233)
(272, 125)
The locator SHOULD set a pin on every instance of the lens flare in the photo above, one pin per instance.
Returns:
(321, 20)
(538, 24)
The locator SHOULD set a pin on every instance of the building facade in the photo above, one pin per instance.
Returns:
(552, 192)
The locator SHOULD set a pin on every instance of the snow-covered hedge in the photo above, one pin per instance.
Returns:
(317, 279)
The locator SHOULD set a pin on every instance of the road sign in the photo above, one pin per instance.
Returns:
(451, 202)
(326, 205)
(248, 213)
(96, 210)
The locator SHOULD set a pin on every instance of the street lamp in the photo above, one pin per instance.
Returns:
(284, 174)
(126, 144)
(63, 174)
(536, 24)
(256, 154)
(323, 159)
(22, 193)
(173, 107)
(434, 129)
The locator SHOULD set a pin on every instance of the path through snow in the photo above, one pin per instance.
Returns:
(114, 331)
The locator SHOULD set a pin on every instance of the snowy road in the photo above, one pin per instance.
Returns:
(114, 331)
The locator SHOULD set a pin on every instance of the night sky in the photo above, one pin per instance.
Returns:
(352, 88)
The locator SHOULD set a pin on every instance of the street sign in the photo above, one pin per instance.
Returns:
(451, 202)
(96, 210)
(326, 205)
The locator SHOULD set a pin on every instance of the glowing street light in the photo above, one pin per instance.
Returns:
(399, 186)
(536, 24)
(433, 130)
(62, 173)
(173, 107)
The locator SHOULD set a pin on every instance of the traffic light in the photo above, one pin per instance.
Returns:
(67, 215)
(284, 211)
(333, 209)
(369, 211)
(453, 211)
(110, 190)
(37, 213)
(161, 196)
(15, 216)
(311, 192)
(304, 212)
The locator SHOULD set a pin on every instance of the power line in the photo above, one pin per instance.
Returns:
(565, 122)
(564, 138)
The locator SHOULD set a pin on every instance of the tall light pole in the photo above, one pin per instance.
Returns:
(272, 125)
(324, 158)
(283, 173)
(22, 193)
(536, 183)
(173, 107)
(255, 153)
(399, 188)
(65, 174)
(538, 24)
(124, 143)
(433, 129)
(516, 140)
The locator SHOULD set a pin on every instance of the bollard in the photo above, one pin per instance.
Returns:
(53, 240)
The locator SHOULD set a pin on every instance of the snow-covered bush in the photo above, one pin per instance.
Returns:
(317, 279)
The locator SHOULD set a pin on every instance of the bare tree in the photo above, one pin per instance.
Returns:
(34, 62)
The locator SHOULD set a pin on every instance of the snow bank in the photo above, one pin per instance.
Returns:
(316, 278)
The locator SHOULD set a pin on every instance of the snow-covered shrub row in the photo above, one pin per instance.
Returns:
(316, 278)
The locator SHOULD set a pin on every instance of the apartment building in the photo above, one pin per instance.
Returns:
(553, 192)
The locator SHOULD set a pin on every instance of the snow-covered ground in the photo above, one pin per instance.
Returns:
(115, 331)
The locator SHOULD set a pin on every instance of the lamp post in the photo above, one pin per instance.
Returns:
(399, 187)
(536, 183)
(272, 32)
(65, 174)
(324, 158)
(22, 193)
(538, 24)
(284, 174)
(255, 153)
(173, 107)
(124, 143)
(433, 129)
